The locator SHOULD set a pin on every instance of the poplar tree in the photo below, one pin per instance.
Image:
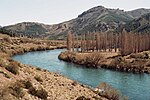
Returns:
(69, 41)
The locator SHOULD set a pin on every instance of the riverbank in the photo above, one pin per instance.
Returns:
(19, 81)
(136, 63)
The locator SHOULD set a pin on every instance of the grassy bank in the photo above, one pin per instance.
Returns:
(136, 62)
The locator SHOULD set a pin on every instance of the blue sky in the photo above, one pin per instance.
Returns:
(56, 11)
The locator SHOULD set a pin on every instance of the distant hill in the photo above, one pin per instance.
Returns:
(141, 24)
(138, 12)
(95, 19)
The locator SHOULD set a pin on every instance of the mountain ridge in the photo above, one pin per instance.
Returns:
(98, 18)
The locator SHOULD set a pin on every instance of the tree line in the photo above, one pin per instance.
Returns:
(125, 43)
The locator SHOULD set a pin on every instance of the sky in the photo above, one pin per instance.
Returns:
(56, 11)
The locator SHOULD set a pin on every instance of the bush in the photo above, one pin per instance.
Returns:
(17, 89)
(116, 61)
(41, 93)
(93, 59)
(82, 98)
(109, 92)
(120, 63)
(13, 67)
(27, 84)
(139, 55)
(38, 69)
(38, 78)
(7, 76)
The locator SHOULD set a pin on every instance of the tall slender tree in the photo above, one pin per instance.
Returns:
(69, 41)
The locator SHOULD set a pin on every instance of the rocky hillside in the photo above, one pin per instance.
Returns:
(141, 24)
(95, 19)
(138, 12)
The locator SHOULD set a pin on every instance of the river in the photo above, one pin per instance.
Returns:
(134, 86)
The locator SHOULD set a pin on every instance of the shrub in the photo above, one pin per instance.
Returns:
(41, 93)
(93, 59)
(17, 89)
(13, 67)
(146, 55)
(27, 84)
(82, 98)
(120, 62)
(116, 61)
(139, 55)
(7, 76)
(109, 92)
(38, 69)
(38, 78)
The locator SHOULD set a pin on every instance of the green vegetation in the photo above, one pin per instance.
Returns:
(140, 25)
(98, 19)
(35, 29)
(5, 31)
(113, 17)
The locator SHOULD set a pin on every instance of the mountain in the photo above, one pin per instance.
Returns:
(141, 24)
(138, 12)
(95, 19)
(29, 28)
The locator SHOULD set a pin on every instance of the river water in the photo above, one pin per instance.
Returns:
(134, 86)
